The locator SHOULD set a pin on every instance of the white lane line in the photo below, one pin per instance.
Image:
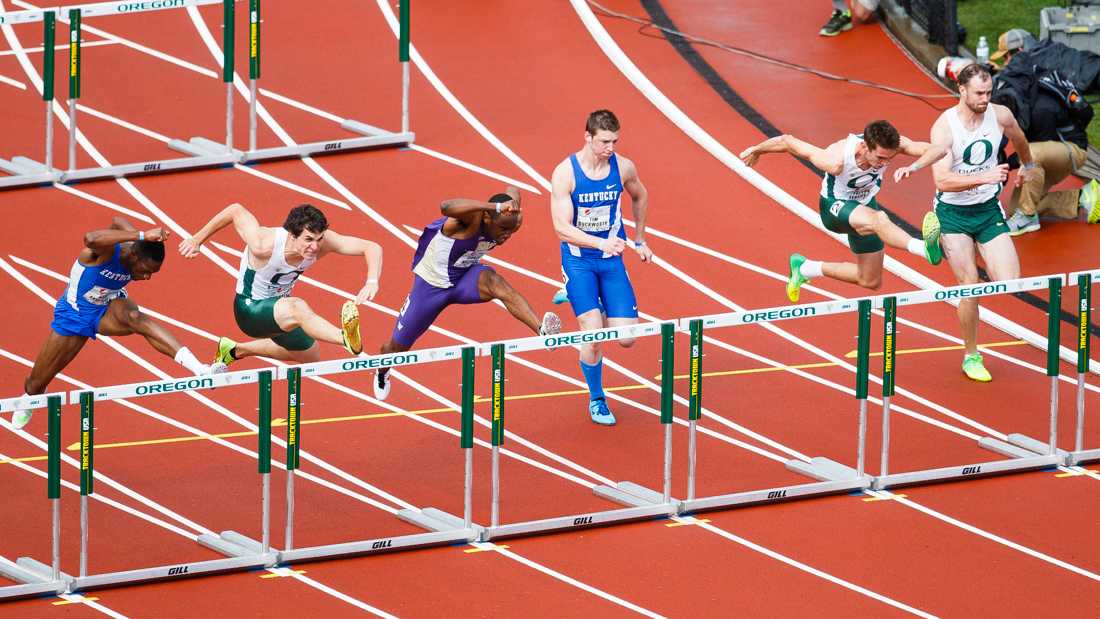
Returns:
(105, 203)
(805, 568)
(986, 534)
(57, 48)
(149, 133)
(74, 598)
(334, 593)
(567, 579)
(10, 82)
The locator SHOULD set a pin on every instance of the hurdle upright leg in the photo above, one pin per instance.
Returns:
(1054, 331)
(74, 81)
(695, 398)
(466, 438)
(889, 346)
(863, 351)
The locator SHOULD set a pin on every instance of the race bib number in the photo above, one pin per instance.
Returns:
(98, 295)
(594, 219)
(472, 257)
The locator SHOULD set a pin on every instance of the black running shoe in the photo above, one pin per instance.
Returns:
(839, 22)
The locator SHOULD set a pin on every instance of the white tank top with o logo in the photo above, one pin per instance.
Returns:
(852, 183)
(973, 152)
(274, 279)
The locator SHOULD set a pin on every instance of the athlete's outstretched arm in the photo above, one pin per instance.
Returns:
(245, 223)
(1015, 135)
(469, 211)
(639, 205)
(104, 241)
(561, 210)
(355, 246)
(945, 179)
(926, 154)
(829, 159)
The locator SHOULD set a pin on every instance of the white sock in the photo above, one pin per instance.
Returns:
(811, 269)
(188, 360)
(915, 247)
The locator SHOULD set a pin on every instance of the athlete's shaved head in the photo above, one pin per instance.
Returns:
(305, 217)
(152, 251)
(881, 133)
(601, 120)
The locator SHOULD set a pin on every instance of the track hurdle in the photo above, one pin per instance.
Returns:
(1019, 458)
(36, 577)
(26, 171)
(444, 528)
(370, 136)
(200, 152)
(832, 477)
(1084, 313)
(244, 553)
(641, 502)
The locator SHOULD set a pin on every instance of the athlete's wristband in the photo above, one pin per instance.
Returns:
(640, 243)
(141, 235)
(1029, 165)
(372, 281)
(498, 208)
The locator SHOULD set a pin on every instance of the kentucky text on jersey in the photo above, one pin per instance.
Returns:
(598, 196)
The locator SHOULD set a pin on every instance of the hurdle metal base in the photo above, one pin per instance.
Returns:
(36, 578)
(1080, 457)
(634, 495)
(773, 495)
(233, 544)
(437, 520)
(26, 172)
(824, 469)
(166, 572)
(332, 146)
(379, 545)
(1034, 445)
(981, 469)
(150, 167)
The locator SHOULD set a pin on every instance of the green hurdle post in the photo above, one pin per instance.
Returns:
(74, 81)
(695, 396)
(293, 435)
(53, 478)
(889, 356)
(49, 30)
(1054, 332)
(87, 470)
(264, 459)
(466, 437)
(1084, 292)
(253, 67)
(228, 26)
(863, 351)
(668, 394)
(498, 425)
(403, 57)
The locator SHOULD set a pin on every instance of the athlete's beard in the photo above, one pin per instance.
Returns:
(976, 109)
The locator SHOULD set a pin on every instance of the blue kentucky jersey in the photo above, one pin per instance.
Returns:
(96, 285)
(596, 206)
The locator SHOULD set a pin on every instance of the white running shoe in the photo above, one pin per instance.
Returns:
(381, 385)
(21, 418)
(217, 368)
(551, 324)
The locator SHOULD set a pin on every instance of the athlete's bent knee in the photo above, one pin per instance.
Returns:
(871, 283)
(627, 342)
(33, 387)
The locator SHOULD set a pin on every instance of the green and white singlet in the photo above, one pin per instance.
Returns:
(973, 152)
(852, 184)
(274, 279)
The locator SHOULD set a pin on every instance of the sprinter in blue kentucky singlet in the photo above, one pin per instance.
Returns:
(586, 205)
(95, 303)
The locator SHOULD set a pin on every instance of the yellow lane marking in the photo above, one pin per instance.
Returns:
(282, 574)
(1081, 473)
(81, 600)
(687, 523)
(26, 459)
(883, 498)
(487, 549)
(910, 351)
